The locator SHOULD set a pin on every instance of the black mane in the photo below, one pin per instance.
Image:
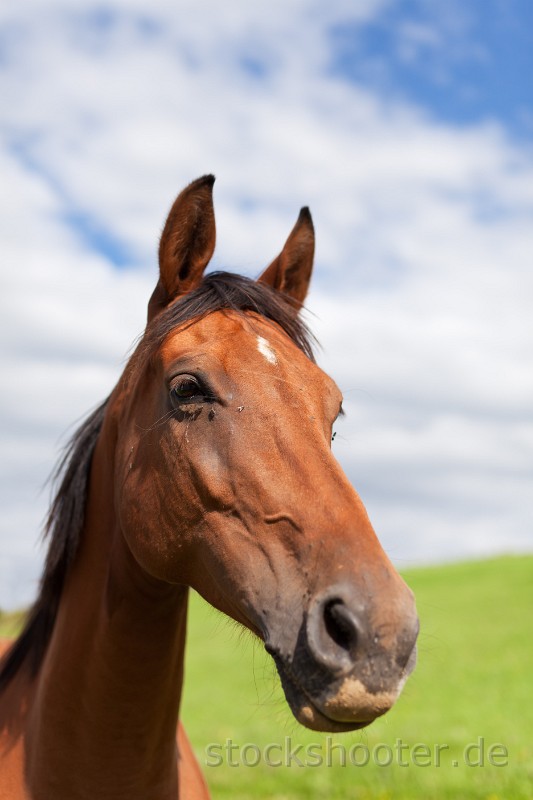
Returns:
(64, 523)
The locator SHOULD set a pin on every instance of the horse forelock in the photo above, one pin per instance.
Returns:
(220, 291)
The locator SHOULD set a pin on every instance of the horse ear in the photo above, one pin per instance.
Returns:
(290, 272)
(187, 244)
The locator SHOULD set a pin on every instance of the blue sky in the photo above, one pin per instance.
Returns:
(405, 126)
(462, 62)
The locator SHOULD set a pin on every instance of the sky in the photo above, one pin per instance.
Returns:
(405, 125)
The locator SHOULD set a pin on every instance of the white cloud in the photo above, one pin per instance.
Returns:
(423, 278)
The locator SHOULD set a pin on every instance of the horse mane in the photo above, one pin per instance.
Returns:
(64, 523)
(63, 528)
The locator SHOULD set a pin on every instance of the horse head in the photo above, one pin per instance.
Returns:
(225, 480)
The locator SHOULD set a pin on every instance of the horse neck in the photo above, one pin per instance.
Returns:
(104, 718)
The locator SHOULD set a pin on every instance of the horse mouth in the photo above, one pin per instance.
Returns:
(307, 711)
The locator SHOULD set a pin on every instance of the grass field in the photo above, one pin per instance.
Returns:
(473, 684)
(470, 699)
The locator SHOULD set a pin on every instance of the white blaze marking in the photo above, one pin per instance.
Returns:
(266, 350)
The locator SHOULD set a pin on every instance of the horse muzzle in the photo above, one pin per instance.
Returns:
(347, 667)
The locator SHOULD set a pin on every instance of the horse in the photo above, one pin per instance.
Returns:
(210, 467)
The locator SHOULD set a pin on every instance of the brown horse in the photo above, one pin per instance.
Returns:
(209, 466)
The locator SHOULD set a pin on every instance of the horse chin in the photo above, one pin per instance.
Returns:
(310, 715)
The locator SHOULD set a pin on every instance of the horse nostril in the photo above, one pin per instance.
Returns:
(340, 624)
(335, 631)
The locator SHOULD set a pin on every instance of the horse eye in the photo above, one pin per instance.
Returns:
(185, 387)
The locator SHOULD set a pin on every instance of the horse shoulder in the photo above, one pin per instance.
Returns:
(192, 784)
(5, 644)
(12, 783)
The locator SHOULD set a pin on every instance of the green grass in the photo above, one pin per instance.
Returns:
(473, 683)
(10, 623)
(474, 679)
